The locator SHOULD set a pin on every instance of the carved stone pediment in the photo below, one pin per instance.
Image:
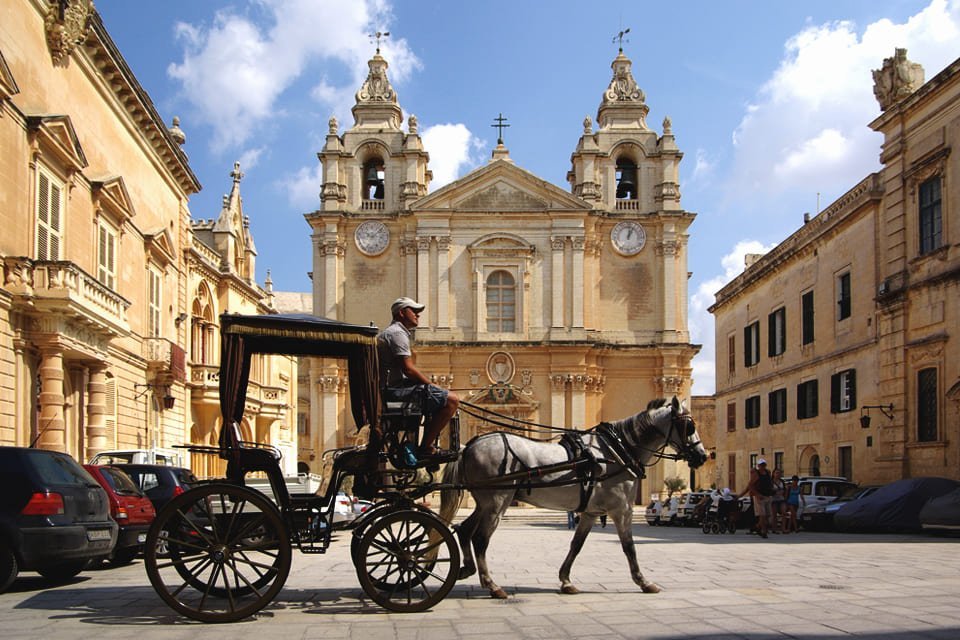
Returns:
(502, 196)
(67, 24)
(111, 196)
(55, 133)
(8, 84)
(160, 247)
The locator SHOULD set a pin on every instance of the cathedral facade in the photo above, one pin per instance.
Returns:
(558, 306)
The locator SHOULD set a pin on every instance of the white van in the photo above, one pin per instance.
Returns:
(168, 457)
(820, 490)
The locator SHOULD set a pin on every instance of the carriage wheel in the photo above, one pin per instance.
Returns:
(407, 561)
(706, 526)
(227, 553)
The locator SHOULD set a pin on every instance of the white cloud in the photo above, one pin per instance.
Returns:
(701, 321)
(235, 70)
(303, 187)
(703, 168)
(808, 124)
(250, 158)
(453, 149)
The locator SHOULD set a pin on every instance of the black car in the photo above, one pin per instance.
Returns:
(54, 517)
(159, 482)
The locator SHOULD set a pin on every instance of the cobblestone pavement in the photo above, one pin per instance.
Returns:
(807, 585)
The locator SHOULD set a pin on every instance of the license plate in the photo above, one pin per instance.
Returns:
(141, 538)
(98, 534)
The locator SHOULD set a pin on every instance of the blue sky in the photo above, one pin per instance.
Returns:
(769, 101)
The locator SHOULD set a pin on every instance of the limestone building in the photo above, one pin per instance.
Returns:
(557, 306)
(837, 352)
(111, 294)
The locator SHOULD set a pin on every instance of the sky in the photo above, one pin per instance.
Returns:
(769, 101)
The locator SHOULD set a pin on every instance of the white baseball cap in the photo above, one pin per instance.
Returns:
(403, 303)
(761, 461)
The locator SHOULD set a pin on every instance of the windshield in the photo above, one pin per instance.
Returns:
(119, 481)
(54, 469)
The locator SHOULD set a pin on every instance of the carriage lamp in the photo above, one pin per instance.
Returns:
(168, 401)
(885, 409)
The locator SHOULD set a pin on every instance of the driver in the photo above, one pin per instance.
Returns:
(400, 379)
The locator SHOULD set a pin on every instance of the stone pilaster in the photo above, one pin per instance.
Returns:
(51, 425)
(96, 434)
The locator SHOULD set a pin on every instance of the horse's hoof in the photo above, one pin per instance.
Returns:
(651, 587)
(498, 593)
(569, 589)
(466, 572)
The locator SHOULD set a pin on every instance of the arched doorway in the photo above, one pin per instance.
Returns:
(809, 462)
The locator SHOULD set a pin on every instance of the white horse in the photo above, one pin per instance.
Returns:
(501, 467)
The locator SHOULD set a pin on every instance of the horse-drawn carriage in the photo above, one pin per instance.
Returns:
(222, 551)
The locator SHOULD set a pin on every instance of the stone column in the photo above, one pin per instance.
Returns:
(579, 294)
(558, 400)
(96, 435)
(443, 283)
(667, 252)
(578, 403)
(557, 244)
(423, 278)
(332, 252)
(329, 384)
(51, 425)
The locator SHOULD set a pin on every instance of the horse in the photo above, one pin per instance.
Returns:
(496, 467)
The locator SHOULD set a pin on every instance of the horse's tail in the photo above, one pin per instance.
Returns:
(450, 499)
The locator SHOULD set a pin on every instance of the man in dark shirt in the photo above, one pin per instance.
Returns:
(401, 380)
(761, 495)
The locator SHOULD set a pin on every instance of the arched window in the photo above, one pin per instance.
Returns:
(626, 179)
(373, 176)
(501, 302)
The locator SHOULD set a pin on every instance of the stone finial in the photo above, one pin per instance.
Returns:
(587, 125)
(667, 126)
(333, 126)
(896, 79)
(236, 174)
(412, 124)
(623, 88)
(176, 132)
(376, 88)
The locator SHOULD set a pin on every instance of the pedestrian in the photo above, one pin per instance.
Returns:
(778, 522)
(760, 489)
(571, 520)
(792, 503)
(400, 380)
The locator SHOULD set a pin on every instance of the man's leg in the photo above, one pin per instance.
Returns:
(439, 420)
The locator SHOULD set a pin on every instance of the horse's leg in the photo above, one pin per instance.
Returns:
(579, 537)
(489, 515)
(624, 522)
(465, 533)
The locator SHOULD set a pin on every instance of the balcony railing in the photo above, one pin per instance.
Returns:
(58, 285)
(628, 205)
(165, 357)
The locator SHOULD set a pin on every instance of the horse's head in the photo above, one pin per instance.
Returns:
(683, 437)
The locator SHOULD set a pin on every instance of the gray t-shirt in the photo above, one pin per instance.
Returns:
(393, 344)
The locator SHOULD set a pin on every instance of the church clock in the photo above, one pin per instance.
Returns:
(628, 238)
(372, 237)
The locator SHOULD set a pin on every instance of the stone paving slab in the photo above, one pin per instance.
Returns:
(810, 585)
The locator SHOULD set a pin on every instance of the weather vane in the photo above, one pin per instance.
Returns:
(620, 37)
(379, 35)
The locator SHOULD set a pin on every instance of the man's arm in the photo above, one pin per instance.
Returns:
(411, 371)
(753, 480)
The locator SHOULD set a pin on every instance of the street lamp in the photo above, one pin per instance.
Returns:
(885, 409)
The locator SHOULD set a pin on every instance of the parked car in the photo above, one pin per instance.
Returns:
(942, 514)
(652, 513)
(132, 510)
(819, 517)
(171, 457)
(159, 482)
(361, 506)
(54, 517)
(819, 490)
(343, 508)
(687, 515)
(893, 507)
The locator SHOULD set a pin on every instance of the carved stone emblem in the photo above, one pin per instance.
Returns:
(623, 88)
(500, 367)
(376, 88)
(67, 24)
(896, 79)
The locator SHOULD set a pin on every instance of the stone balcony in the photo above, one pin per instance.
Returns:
(61, 287)
(165, 359)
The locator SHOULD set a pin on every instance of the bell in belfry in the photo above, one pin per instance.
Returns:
(373, 182)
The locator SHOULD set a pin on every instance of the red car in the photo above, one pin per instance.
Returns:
(132, 510)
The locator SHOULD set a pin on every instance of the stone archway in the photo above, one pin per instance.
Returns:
(809, 462)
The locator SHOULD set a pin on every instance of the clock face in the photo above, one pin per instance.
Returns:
(372, 237)
(628, 238)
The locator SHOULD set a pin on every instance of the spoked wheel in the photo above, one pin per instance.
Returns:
(706, 526)
(227, 553)
(407, 561)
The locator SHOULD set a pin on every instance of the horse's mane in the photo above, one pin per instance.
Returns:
(656, 404)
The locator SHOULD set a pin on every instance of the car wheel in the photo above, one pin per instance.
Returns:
(64, 570)
(8, 567)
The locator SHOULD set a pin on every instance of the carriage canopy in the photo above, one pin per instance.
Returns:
(300, 335)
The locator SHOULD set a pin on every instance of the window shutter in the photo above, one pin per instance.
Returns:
(835, 391)
(853, 388)
(772, 334)
(800, 408)
(746, 346)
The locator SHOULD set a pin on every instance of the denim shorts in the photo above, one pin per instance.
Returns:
(431, 398)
